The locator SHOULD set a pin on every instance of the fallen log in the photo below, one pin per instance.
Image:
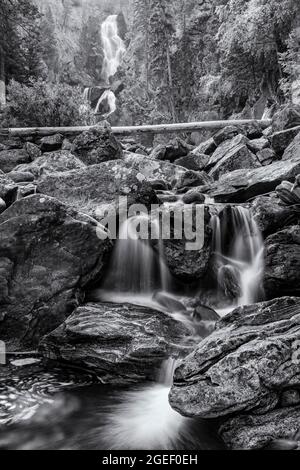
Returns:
(129, 130)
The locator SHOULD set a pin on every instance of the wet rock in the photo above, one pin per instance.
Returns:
(266, 156)
(159, 185)
(193, 162)
(21, 176)
(289, 193)
(175, 149)
(206, 148)
(193, 197)
(9, 159)
(257, 145)
(97, 188)
(241, 185)
(169, 302)
(244, 365)
(272, 431)
(52, 162)
(227, 133)
(48, 254)
(282, 258)
(205, 313)
(229, 279)
(121, 343)
(281, 140)
(51, 143)
(187, 264)
(293, 149)
(97, 145)
(271, 215)
(239, 157)
(33, 150)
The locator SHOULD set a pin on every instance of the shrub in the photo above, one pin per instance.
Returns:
(43, 104)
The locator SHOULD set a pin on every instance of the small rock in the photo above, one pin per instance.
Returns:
(21, 177)
(159, 185)
(66, 145)
(192, 179)
(9, 159)
(266, 156)
(51, 143)
(193, 196)
(193, 162)
(257, 145)
(204, 313)
(207, 147)
(226, 133)
(33, 150)
(169, 302)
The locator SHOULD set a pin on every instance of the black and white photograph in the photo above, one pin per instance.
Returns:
(149, 228)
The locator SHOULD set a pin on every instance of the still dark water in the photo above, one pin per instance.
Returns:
(43, 407)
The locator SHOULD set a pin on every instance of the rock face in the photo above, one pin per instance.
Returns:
(97, 145)
(248, 432)
(98, 187)
(52, 162)
(246, 364)
(48, 254)
(121, 343)
(9, 159)
(282, 256)
(241, 185)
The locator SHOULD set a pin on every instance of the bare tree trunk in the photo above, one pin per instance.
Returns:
(2, 80)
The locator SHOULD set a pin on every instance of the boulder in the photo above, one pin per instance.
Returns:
(21, 176)
(33, 150)
(282, 139)
(193, 197)
(227, 133)
(97, 188)
(271, 215)
(193, 162)
(266, 156)
(9, 159)
(189, 265)
(226, 147)
(239, 157)
(293, 150)
(289, 193)
(206, 148)
(286, 118)
(244, 365)
(97, 145)
(242, 185)
(52, 162)
(256, 145)
(282, 258)
(175, 149)
(51, 143)
(8, 189)
(121, 343)
(48, 254)
(191, 178)
(274, 430)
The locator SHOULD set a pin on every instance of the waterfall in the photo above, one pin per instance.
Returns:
(239, 254)
(136, 268)
(108, 101)
(113, 47)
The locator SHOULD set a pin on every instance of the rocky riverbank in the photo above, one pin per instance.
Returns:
(52, 190)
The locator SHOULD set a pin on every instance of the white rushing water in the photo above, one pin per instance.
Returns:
(108, 101)
(243, 259)
(113, 47)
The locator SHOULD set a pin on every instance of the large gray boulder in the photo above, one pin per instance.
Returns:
(282, 139)
(48, 254)
(9, 159)
(241, 185)
(239, 157)
(282, 257)
(52, 162)
(120, 343)
(271, 214)
(246, 364)
(97, 145)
